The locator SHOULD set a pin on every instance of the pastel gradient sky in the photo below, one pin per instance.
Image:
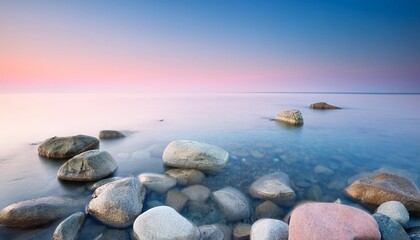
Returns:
(209, 45)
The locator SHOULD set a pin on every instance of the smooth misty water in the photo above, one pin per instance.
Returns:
(371, 132)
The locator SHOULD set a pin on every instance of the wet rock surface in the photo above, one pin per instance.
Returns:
(159, 183)
(265, 229)
(322, 105)
(389, 228)
(232, 203)
(69, 228)
(293, 117)
(67, 147)
(110, 134)
(186, 177)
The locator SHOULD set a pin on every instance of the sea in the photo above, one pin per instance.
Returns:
(371, 133)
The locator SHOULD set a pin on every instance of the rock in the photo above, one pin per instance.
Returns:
(198, 193)
(103, 182)
(159, 183)
(320, 169)
(39, 211)
(110, 134)
(390, 229)
(242, 231)
(113, 234)
(396, 211)
(414, 233)
(176, 200)
(384, 187)
(269, 229)
(118, 203)
(268, 209)
(164, 223)
(331, 221)
(88, 166)
(67, 147)
(196, 155)
(274, 186)
(257, 154)
(233, 204)
(314, 193)
(322, 105)
(215, 232)
(293, 117)
(186, 177)
(69, 228)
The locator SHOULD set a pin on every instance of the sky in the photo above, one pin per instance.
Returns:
(210, 46)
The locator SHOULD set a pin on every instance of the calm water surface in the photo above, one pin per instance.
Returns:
(370, 133)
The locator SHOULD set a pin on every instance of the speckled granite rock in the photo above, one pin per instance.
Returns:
(293, 117)
(269, 229)
(396, 211)
(69, 228)
(233, 204)
(67, 147)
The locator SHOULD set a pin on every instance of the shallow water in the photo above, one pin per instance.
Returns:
(371, 132)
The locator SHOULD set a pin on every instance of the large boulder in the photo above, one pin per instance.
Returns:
(67, 147)
(233, 204)
(390, 229)
(164, 223)
(332, 221)
(269, 229)
(118, 203)
(274, 187)
(69, 228)
(39, 211)
(156, 182)
(323, 106)
(186, 177)
(293, 117)
(195, 155)
(88, 166)
(110, 134)
(384, 187)
(396, 211)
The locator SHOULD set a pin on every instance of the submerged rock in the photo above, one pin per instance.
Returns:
(69, 228)
(322, 105)
(390, 229)
(241, 231)
(110, 134)
(396, 211)
(164, 223)
(103, 182)
(159, 183)
(195, 155)
(197, 193)
(414, 233)
(176, 200)
(118, 203)
(268, 209)
(384, 187)
(186, 177)
(233, 204)
(272, 229)
(67, 147)
(39, 211)
(215, 232)
(88, 166)
(331, 221)
(293, 117)
(274, 186)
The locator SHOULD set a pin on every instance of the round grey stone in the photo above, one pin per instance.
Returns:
(233, 204)
(396, 211)
(390, 229)
(69, 228)
(159, 183)
(186, 177)
(198, 193)
(269, 229)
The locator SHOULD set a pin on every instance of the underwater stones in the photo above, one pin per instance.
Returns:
(195, 155)
(186, 177)
(118, 203)
(69, 228)
(35, 212)
(293, 117)
(176, 200)
(269, 229)
(233, 204)
(322, 105)
(88, 166)
(215, 232)
(314, 193)
(274, 186)
(390, 229)
(164, 223)
(268, 209)
(159, 183)
(396, 211)
(257, 154)
(67, 147)
(384, 187)
(242, 231)
(110, 134)
(331, 221)
(320, 169)
(197, 193)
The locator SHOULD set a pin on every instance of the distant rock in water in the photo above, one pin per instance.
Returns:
(88, 166)
(69, 228)
(323, 105)
(384, 187)
(67, 147)
(293, 117)
(39, 211)
(195, 155)
(110, 134)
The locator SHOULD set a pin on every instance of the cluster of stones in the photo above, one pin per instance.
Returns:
(119, 202)
(294, 116)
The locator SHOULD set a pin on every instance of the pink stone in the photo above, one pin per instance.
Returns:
(320, 221)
